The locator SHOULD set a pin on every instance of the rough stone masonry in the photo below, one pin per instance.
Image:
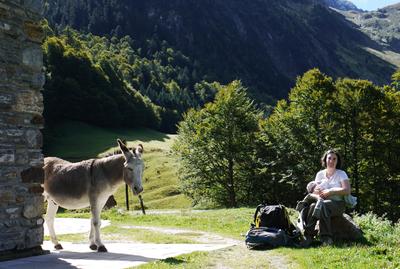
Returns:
(21, 107)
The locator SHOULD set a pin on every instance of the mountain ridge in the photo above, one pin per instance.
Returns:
(266, 44)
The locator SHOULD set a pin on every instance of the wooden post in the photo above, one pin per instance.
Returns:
(127, 197)
(141, 204)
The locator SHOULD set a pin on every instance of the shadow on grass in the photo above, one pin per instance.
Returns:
(317, 244)
(342, 243)
(76, 141)
(173, 261)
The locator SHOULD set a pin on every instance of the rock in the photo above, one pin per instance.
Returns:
(344, 228)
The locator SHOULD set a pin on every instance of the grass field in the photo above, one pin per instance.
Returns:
(75, 141)
(380, 249)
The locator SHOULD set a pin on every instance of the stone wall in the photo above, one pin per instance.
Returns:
(21, 106)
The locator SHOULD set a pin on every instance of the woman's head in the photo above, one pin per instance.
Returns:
(331, 159)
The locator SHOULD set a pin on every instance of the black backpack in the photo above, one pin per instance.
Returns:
(272, 216)
(271, 228)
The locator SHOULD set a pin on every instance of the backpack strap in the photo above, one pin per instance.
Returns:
(257, 211)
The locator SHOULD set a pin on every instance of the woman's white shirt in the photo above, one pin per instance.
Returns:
(333, 181)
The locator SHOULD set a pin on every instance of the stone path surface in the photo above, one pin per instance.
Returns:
(72, 226)
(119, 255)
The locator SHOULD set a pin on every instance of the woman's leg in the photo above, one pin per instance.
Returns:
(309, 227)
(331, 209)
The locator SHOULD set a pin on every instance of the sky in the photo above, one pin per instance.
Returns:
(373, 4)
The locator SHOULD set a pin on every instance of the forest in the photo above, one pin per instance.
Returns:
(113, 82)
(234, 149)
(233, 156)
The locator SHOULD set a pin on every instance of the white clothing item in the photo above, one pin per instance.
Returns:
(334, 181)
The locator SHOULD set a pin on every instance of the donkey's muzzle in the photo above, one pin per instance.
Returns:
(137, 190)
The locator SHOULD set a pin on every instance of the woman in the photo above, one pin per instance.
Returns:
(331, 185)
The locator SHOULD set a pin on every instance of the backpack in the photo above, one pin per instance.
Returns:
(272, 228)
(266, 238)
(272, 216)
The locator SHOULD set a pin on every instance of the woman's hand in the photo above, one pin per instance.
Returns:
(317, 189)
(325, 194)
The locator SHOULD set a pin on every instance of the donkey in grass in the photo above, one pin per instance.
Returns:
(89, 183)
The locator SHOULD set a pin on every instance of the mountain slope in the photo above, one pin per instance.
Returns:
(382, 25)
(264, 43)
(341, 5)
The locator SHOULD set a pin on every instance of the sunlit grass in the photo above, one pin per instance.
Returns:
(77, 141)
(380, 249)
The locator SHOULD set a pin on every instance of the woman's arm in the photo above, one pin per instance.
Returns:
(343, 190)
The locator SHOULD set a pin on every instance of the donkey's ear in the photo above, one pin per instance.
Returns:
(124, 149)
(122, 145)
(139, 150)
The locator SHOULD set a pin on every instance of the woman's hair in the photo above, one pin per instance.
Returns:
(339, 159)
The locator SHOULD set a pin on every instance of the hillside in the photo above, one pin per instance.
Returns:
(341, 5)
(266, 44)
(76, 141)
(382, 25)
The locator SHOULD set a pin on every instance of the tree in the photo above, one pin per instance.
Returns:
(356, 117)
(216, 146)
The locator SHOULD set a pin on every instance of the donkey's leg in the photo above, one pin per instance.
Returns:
(49, 217)
(94, 237)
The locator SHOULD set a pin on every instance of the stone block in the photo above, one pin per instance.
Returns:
(33, 207)
(7, 196)
(21, 157)
(35, 158)
(5, 26)
(33, 57)
(19, 119)
(34, 138)
(34, 237)
(29, 102)
(33, 175)
(35, 6)
(36, 189)
(39, 221)
(14, 132)
(8, 174)
(33, 31)
(11, 223)
(37, 119)
(3, 74)
(6, 100)
(38, 80)
(7, 156)
(14, 212)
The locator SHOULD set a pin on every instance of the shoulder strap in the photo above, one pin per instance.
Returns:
(257, 210)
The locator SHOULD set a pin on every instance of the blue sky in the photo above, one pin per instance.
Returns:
(373, 4)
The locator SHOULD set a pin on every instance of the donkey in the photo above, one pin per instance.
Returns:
(89, 183)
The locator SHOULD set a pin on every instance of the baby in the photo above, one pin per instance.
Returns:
(312, 196)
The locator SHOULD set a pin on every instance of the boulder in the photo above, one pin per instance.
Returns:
(344, 228)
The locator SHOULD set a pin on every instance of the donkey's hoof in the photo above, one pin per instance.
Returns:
(58, 247)
(93, 247)
(102, 249)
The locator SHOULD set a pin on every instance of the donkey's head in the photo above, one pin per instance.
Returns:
(133, 167)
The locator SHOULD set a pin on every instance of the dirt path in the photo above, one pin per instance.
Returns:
(198, 236)
(225, 253)
(235, 256)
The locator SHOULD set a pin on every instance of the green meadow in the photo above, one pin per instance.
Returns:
(77, 141)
